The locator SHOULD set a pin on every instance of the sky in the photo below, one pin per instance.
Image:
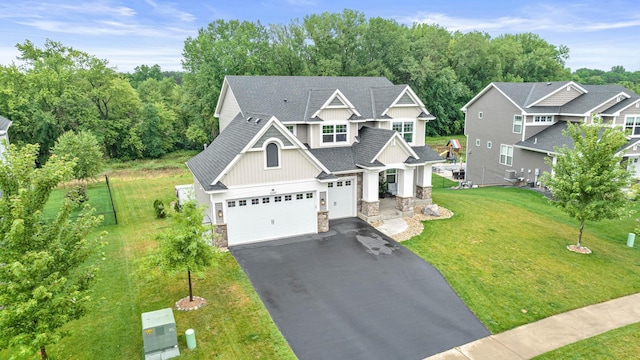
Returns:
(599, 34)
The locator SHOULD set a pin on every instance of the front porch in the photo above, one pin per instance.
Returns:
(388, 209)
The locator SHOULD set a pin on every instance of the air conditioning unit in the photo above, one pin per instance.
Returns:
(159, 335)
(510, 174)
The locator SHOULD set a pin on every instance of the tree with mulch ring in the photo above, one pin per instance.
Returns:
(587, 175)
(184, 246)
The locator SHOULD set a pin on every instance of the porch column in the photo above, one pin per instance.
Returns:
(423, 182)
(370, 202)
(404, 197)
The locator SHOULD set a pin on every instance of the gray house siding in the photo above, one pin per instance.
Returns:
(496, 125)
(302, 133)
(526, 162)
(229, 109)
(561, 97)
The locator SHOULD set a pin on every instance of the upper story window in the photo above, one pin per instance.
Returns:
(273, 155)
(632, 123)
(517, 124)
(334, 133)
(291, 128)
(405, 128)
(477, 142)
(506, 154)
(543, 119)
(480, 114)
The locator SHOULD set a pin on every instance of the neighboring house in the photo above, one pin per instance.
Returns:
(4, 137)
(512, 127)
(294, 152)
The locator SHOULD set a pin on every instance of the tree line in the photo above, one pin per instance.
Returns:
(148, 112)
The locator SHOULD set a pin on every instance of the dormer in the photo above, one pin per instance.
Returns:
(406, 105)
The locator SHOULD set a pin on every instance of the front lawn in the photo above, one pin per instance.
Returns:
(504, 252)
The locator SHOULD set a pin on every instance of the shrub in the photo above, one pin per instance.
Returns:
(158, 205)
(77, 194)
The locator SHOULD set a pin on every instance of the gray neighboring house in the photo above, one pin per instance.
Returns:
(4, 136)
(512, 127)
(294, 152)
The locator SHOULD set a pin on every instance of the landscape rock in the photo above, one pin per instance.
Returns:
(431, 210)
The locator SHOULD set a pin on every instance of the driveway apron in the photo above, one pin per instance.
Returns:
(354, 293)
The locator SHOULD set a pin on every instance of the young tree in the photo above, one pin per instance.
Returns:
(183, 246)
(587, 178)
(43, 262)
(84, 147)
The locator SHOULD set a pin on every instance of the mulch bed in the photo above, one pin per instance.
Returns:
(579, 249)
(185, 305)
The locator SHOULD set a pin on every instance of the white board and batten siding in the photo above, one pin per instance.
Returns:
(251, 169)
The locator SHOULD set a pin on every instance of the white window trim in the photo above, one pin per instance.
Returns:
(489, 144)
(280, 146)
(480, 115)
(506, 149)
(334, 142)
(477, 142)
(294, 129)
(635, 126)
(514, 124)
(403, 122)
(546, 122)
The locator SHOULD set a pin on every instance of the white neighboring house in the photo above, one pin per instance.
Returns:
(4, 137)
(296, 151)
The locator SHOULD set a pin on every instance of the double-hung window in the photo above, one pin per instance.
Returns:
(334, 133)
(506, 154)
(405, 128)
(517, 124)
(632, 123)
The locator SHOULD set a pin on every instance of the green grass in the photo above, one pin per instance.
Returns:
(98, 195)
(174, 160)
(233, 324)
(504, 252)
(622, 343)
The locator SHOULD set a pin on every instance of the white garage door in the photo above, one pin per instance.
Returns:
(342, 199)
(270, 217)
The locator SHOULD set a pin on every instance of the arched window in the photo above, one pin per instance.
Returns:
(273, 155)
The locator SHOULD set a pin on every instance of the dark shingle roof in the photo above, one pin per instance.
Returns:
(548, 139)
(4, 123)
(304, 95)
(335, 159)
(370, 142)
(525, 94)
(207, 165)
(622, 104)
(426, 154)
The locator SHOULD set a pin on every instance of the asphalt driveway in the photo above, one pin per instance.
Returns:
(354, 293)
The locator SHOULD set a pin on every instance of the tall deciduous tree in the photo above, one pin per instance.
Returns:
(43, 263)
(587, 178)
(184, 245)
(84, 148)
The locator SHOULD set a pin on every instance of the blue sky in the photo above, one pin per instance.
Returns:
(599, 34)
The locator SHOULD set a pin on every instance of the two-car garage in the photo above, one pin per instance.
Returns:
(271, 216)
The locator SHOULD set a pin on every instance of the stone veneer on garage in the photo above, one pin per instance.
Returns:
(220, 236)
(323, 221)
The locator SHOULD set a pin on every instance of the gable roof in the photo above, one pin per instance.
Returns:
(547, 139)
(622, 105)
(526, 95)
(4, 123)
(363, 153)
(209, 164)
(298, 98)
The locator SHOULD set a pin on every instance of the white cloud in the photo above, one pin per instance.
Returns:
(38, 9)
(170, 10)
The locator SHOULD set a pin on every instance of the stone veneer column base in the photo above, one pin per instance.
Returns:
(370, 208)
(404, 203)
(423, 192)
(220, 238)
(323, 221)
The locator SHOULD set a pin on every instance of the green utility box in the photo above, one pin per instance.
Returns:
(159, 335)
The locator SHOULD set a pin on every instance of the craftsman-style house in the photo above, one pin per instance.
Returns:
(295, 152)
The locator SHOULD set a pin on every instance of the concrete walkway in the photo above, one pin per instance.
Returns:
(548, 334)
